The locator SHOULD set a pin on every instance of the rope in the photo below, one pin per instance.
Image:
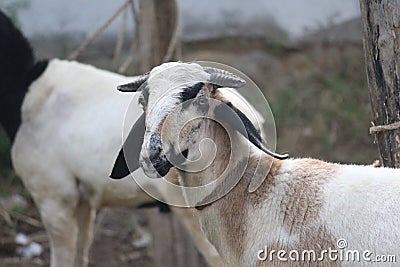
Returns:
(384, 128)
(85, 44)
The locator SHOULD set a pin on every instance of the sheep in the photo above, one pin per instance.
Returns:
(301, 205)
(65, 122)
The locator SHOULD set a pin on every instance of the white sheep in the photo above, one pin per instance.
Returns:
(301, 205)
(65, 122)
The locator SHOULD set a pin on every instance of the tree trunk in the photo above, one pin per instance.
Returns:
(157, 32)
(381, 33)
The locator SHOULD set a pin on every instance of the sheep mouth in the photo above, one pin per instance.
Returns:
(163, 167)
(155, 168)
(159, 167)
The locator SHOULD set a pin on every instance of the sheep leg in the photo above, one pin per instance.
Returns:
(56, 196)
(86, 217)
(62, 229)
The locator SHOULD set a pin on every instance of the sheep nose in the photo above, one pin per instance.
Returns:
(155, 147)
(154, 152)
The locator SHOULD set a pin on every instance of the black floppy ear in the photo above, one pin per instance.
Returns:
(134, 86)
(131, 148)
(223, 114)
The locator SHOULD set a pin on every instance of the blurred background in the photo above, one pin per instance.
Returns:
(305, 55)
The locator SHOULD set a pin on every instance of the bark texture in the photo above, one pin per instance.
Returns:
(381, 33)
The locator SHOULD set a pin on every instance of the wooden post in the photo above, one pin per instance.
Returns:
(172, 245)
(158, 24)
(381, 33)
(163, 247)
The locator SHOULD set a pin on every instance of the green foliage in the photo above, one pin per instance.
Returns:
(327, 109)
(278, 44)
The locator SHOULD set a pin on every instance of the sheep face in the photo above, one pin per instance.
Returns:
(184, 109)
(176, 102)
(185, 135)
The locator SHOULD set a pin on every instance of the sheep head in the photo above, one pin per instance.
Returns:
(182, 103)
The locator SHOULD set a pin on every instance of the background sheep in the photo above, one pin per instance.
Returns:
(302, 204)
(64, 146)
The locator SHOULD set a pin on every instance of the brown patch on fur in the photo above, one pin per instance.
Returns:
(233, 211)
(208, 89)
(258, 196)
(305, 197)
(216, 95)
(318, 240)
(300, 205)
(234, 206)
(304, 194)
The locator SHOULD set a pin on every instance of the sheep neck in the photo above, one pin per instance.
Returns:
(222, 220)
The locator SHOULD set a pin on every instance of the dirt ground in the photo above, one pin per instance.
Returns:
(122, 238)
(116, 230)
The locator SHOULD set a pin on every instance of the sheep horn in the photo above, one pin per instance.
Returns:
(224, 78)
(134, 86)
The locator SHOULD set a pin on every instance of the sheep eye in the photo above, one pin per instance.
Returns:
(202, 104)
(202, 101)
